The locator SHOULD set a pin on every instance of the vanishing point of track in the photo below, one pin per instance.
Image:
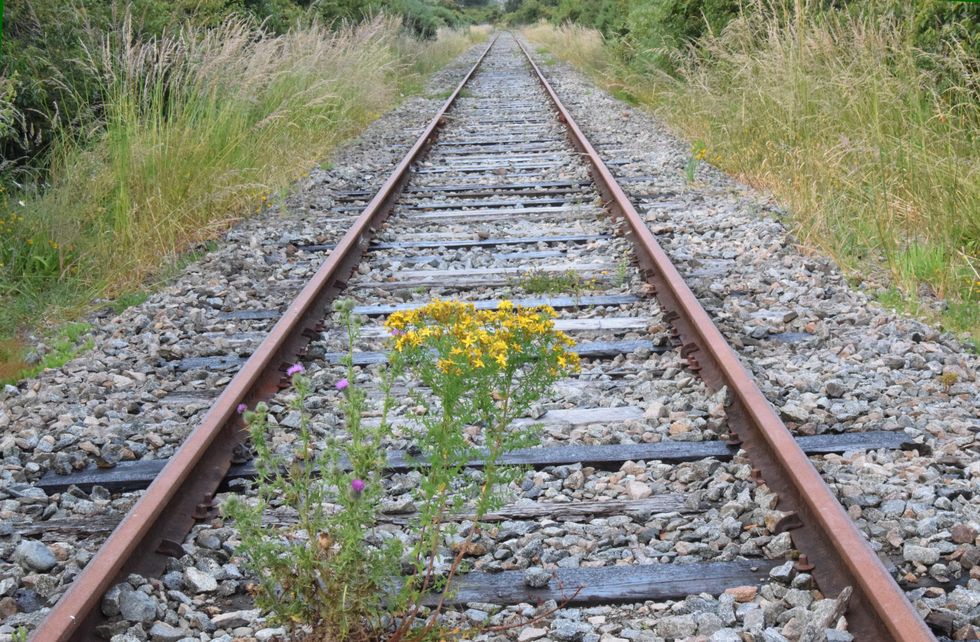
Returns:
(481, 159)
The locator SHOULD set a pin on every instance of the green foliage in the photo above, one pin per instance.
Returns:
(128, 300)
(542, 282)
(47, 90)
(68, 343)
(330, 567)
(651, 33)
(522, 12)
(932, 25)
(323, 569)
(483, 368)
(653, 30)
(30, 258)
(698, 153)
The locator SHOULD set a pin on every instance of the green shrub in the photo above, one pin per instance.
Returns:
(654, 29)
(330, 567)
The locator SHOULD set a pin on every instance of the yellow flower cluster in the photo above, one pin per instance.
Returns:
(466, 337)
(14, 219)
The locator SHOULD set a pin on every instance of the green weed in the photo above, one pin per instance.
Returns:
(698, 153)
(961, 317)
(334, 569)
(948, 379)
(542, 282)
(626, 96)
(64, 346)
(128, 300)
(622, 272)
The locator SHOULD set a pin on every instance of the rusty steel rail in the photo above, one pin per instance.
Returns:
(182, 493)
(820, 528)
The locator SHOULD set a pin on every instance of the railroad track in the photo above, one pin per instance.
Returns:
(502, 185)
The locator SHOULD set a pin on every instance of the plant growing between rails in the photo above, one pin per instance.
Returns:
(622, 272)
(319, 570)
(541, 282)
(484, 368)
(332, 569)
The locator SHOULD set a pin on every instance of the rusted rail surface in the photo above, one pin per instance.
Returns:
(821, 529)
(182, 492)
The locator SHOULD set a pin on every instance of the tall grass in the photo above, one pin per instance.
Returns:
(196, 129)
(870, 143)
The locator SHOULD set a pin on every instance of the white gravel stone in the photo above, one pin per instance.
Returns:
(199, 581)
(35, 556)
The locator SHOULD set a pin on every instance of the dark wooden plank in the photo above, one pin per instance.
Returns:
(544, 191)
(637, 178)
(555, 302)
(482, 191)
(612, 349)
(523, 148)
(554, 268)
(611, 584)
(576, 511)
(479, 147)
(589, 324)
(463, 119)
(520, 240)
(426, 206)
(381, 310)
(591, 350)
(136, 475)
(442, 206)
(499, 155)
(446, 288)
(790, 337)
(571, 511)
(185, 397)
(471, 187)
(219, 362)
(316, 247)
(566, 512)
(246, 341)
(570, 211)
(523, 255)
(250, 315)
(515, 138)
(655, 196)
(839, 443)
(488, 169)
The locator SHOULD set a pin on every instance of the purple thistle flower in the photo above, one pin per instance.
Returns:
(395, 332)
(241, 408)
(295, 369)
(341, 385)
(357, 487)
